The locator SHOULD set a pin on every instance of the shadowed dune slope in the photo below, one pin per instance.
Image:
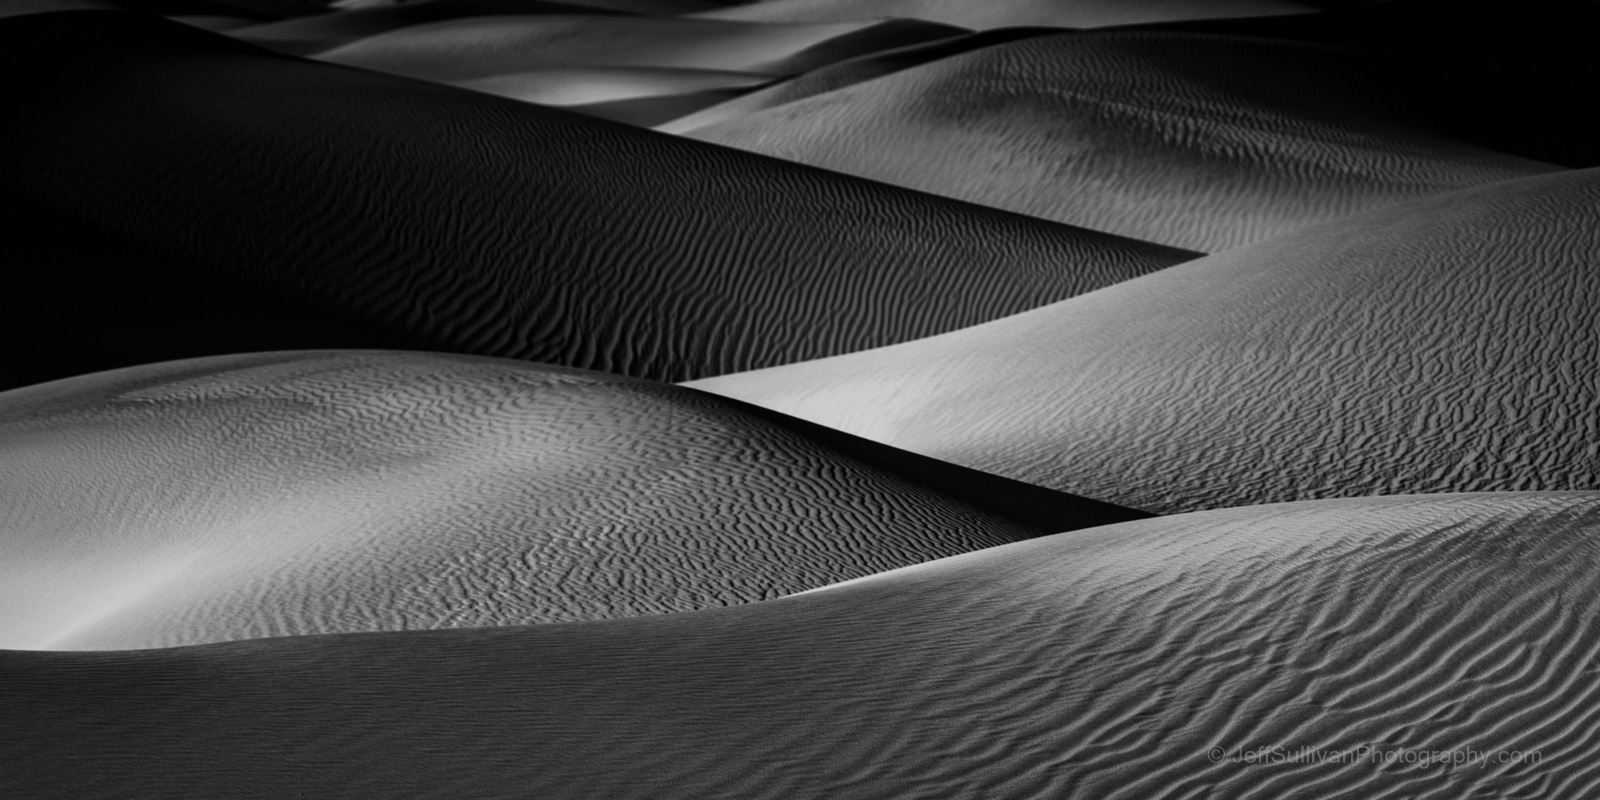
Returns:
(479, 46)
(851, 71)
(456, 221)
(291, 493)
(1446, 345)
(1105, 663)
(1197, 141)
(1006, 13)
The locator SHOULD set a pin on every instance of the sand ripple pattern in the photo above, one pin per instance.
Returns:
(455, 221)
(1097, 664)
(1448, 345)
(279, 494)
(1197, 141)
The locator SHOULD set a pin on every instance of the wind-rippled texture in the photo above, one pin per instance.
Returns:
(293, 493)
(1197, 141)
(1447, 345)
(448, 220)
(1107, 663)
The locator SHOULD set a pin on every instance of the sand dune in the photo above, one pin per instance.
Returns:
(850, 71)
(476, 47)
(1446, 345)
(1501, 75)
(17, 8)
(293, 493)
(1196, 141)
(1129, 661)
(1006, 13)
(571, 87)
(642, 7)
(427, 217)
(320, 32)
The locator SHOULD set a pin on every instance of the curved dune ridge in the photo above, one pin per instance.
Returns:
(320, 32)
(476, 47)
(574, 87)
(294, 493)
(1006, 13)
(845, 73)
(1446, 345)
(1128, 661)
(441, 219)
(1197, 141)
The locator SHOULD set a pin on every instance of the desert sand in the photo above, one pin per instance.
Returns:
(434, 218)
(340, 454)
(1447, 345)
(277, 494)
(476, 47)
(1196, 141)
(1006, 13)
(1128, 661)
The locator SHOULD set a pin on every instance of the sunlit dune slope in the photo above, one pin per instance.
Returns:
(441, 219)
(475, 47)
(1196, 141)
(1129, 661)
(1445, 345)
(293, 493)
(847, 72)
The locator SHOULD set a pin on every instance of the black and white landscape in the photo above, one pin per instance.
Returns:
(800, 399)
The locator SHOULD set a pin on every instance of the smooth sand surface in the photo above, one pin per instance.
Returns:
(1446, 345)
(293, 493)
(1006, 13)
(578, 86)
(1196, 141)
(475, 47)
(433, 218)
(1128, 661)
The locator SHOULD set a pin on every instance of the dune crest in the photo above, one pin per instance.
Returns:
(296, 493)
(402, 214)
(1195, 141)
(1439, 346)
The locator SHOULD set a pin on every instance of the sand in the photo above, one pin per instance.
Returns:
(573, 87)
(326, 492)
(846, 73)
(476, 47)
(1128, 661)
(1006, 13)
(1441, 346)
(409, 215)
(1196, 141)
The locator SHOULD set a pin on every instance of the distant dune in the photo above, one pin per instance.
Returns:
(1129, 661)
(319, 32)
(294, 493)
(1006, 13)
(578, 86)
(847, 72)
(1191, 140)
(428, 217)
(1446, 345)
(475, 47)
